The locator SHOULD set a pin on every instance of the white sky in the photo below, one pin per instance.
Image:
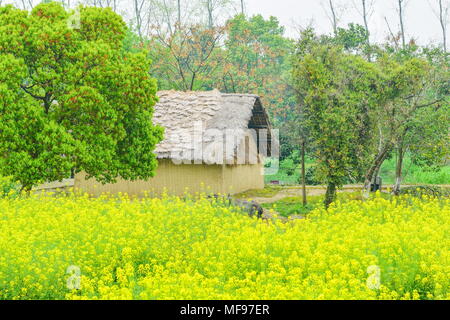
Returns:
(420, 21)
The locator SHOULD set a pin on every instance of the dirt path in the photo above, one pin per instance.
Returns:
(312, 191)
(297, 192)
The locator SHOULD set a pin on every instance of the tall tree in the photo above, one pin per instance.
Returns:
(72, 99)
(184, 59)
(336, 90)
(425, 107)
(412, 88)
(256, 60)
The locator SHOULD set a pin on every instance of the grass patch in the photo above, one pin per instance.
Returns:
(414, 174)
(294, 206)
(291, 206)
(268, 192)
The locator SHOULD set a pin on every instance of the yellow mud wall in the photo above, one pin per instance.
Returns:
(239, 178)
(176, 179)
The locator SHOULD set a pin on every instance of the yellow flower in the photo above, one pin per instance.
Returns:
(191, 248)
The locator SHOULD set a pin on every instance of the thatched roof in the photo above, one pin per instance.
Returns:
(193, 121)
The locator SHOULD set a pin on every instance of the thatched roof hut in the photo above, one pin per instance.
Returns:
(186, 115)
(211, 138)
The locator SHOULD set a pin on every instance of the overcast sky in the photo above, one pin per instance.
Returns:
(420, 21)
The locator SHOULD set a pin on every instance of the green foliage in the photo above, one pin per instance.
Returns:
(354, 38)
(415, 113)
(72, 99)
(336, 91)
(247, 55)
(268, 192)
(8, 188)
(431, 191)
(293, 205)
(409, 111)
(257, 61)
(187, 57)
(288, 166)
(415, 173)
(290, 170)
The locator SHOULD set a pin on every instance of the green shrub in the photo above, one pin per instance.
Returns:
(8, 188)
(431, 191)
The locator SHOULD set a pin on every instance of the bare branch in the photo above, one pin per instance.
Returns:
(401, 6)
(442, 13)
(394, 38)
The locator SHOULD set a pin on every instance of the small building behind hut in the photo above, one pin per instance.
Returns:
(213, 142)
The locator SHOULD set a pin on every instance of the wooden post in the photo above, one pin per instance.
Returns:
(303, 174)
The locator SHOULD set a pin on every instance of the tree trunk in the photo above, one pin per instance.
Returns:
(242, 7)
(375, 167)
(179, 12)
(443, 25)
(391, 33)
(402, 28)
(137, 13)
(330, 194)
(366, 24)
(303, 174)
(333, 17)
(209, 8)
(398, 171)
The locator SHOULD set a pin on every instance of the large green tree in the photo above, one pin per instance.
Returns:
(71, 98)
(413, 115)
(257, 61)
(336, 91)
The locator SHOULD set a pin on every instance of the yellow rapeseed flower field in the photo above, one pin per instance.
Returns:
(76, 247)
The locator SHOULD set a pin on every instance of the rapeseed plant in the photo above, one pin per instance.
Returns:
(193, 248)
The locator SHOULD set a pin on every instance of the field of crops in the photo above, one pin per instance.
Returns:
(75, 247)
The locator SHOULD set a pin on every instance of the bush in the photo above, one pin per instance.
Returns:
(172, 248)
(415, 174)
(420, 191)
(288, 166)
(310, 176)
(8, 188)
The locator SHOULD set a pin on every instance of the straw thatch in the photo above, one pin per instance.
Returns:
(198, 125)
